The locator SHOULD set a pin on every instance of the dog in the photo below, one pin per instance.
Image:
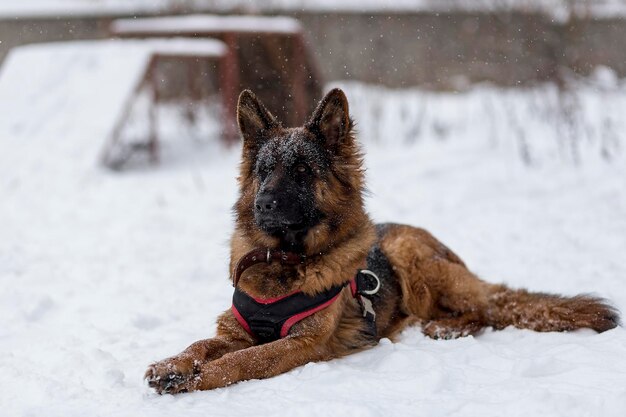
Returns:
(316, 279)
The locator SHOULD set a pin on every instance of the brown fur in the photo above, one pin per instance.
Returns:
(431, 285)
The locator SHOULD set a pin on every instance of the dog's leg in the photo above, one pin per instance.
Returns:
(309, 342)
(258, 362)
(173, 374)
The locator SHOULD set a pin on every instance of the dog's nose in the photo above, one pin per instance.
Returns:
(266, 203)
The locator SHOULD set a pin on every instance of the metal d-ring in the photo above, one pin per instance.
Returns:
(371, 274)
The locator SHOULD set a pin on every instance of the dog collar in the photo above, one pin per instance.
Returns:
(258, 256)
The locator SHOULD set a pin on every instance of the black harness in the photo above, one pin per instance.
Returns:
(271, 319)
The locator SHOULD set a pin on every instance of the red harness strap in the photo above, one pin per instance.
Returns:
(271, 319)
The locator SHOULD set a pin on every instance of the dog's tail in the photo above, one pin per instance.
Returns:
(546, 312)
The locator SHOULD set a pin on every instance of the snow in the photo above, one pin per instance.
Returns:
(541, 124)
(559, 9)
(182, 46)
(45, 8)
(104, 272)
(206, 23)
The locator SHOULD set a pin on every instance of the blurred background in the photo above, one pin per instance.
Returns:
(547, 59)
(498, 125)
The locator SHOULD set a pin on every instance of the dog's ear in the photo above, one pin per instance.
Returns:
(254, 120)
(331, 120)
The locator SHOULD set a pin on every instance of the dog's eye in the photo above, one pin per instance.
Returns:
(301, 169)
(263, 171)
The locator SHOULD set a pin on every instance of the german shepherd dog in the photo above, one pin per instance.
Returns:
(302, 231)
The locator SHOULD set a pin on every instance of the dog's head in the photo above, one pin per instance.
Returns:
(300, 188)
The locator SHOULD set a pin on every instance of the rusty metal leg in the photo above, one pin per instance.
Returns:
(229, 86)
(153, 139)
(113, 156)
(299, 90)
(194, 94)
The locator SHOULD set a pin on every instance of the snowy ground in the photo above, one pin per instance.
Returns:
(558, 9)
(104, 272)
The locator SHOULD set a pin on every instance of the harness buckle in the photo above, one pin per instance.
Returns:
(373, 275)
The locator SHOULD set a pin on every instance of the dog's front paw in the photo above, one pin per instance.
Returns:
(173, 375)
